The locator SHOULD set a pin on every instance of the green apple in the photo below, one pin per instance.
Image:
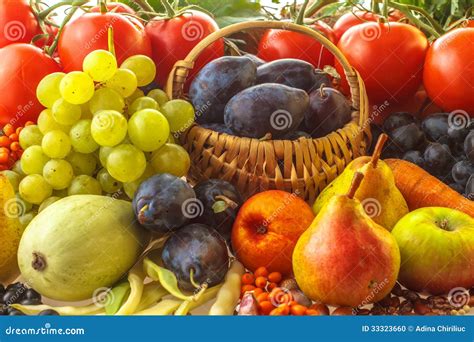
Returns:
(437, 249)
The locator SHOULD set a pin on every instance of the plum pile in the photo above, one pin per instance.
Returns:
(18, 293)
(283, 99)
(441, 144)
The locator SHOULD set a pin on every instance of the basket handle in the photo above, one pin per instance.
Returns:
(179, 73)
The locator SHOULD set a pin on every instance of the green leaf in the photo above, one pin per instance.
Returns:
(116, 297)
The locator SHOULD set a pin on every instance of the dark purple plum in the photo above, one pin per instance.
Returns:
(438, 159)
(164, 203)
(292, 73)
(436, 127)
(397, 119)
(469, 146)
(220, 201)
(461, 171)
(457, 187)
(328, 111)
(218, 127)
(266, 108)
(408, 137)
(255, 59)
(196, 249)
(217, 82)
(414, 157)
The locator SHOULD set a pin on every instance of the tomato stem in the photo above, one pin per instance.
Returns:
(302, 11)
(316, 6)
(144, 5)
(407, 11)
(170, 12)
(68, 17)
(375, 6)
(49, 10)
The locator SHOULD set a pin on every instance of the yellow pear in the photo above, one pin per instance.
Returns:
(10, 231)
(380, 197)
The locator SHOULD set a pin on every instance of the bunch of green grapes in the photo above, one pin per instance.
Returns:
(99, 133)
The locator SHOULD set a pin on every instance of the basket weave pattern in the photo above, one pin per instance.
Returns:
(304, 166)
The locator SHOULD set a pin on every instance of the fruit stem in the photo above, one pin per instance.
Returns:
(110, 40)
(170, 12)
(316, 6)
(141, 214)
(68, 17)
(321, 90)
(444, 224)
(39, 262)
(407, 11)
(301, 13)
(358, 177)
(144, 5)
(378, 149)
(46, 12)
(191, 278)
(228, 202)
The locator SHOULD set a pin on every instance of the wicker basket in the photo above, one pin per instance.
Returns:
(304, 166)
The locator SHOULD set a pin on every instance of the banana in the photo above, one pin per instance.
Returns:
(10, 231)
(62, 310)
(152, 293)
(135, 278)
(165, 307)
(229, 294)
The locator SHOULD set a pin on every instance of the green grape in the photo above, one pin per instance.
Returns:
(46, 123)
(35, 189)
(143, 102)
(124, 82)
(131, 187)
(100, 65)
(180, 115)
(86, 111)
(13, 177)
(84, 185)
(159, 96)
(47, 90)
(56, 144)
(18, 169)
(47, 202)
(65, 113)
(104, 153)
(60, 193)
(171, 159)
(109, 128)
(30, 136)
(24, 206)
(106, 99)
(171, 139)
(148, 129)
(81, 137)
(58, 173)
(126, 163)
(108, 183)
(26, 219)
(77, 87)
(136, 94)
(82, 164)
(143, 67)
(33, 160)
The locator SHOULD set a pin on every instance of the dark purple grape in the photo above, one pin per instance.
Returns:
(3, 310)
(220, 203)
(32, 295)
(408, 137)
(328, 111)
(397, 119)
(436, 127)
(461, 172)
(163, 203)
(48, 312)
(457, 187)
(292, 73)
(12, 296)
(256, 60)
(437, 158)
(457, 135)
(15, 312)
(469, 191)
(32, 301)
(197, 248)
(218, 127)
(217, 82)
(266, 108)
(296, 135)
(469, 146)
(414, 157)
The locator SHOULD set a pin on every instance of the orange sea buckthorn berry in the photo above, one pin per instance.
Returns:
(261, 272)
(8, 129)
(298, 310)
(248, 279)
(13, 137)
(274, 277)
(266, 307)
(272, 286)
(261, 282)
(257, 291)
(247, 288)
(15, 146)
(263, 297)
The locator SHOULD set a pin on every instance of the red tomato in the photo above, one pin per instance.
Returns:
(389, 58)
(47, 41)
(277, 44)
(115, 7)
(172, 40)
(449, 71)
(17, 22)
(89, 32)
(22, 68)
(346, 21)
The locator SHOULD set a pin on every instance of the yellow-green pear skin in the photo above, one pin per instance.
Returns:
(379, 196)
(345, 258)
